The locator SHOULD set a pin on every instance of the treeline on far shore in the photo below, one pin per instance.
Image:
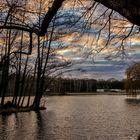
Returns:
(61, 86)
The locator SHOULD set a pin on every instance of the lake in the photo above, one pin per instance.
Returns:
(93, 117)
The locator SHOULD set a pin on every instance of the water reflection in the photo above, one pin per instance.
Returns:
(21, 126)
(75, 118)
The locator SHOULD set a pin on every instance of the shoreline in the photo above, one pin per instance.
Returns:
(86, 93)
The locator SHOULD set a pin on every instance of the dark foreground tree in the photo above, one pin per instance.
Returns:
(23, 73)
(130, 9)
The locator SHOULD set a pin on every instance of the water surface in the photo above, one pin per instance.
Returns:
(102, 117)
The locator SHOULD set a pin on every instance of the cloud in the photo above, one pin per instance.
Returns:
(82, 45)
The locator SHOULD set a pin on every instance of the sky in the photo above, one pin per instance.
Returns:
(82, 48)
(95, 46)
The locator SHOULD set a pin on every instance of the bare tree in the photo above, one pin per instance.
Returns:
(133, 79)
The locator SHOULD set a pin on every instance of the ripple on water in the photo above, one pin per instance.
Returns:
(75, 118)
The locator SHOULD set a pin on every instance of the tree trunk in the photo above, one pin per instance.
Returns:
(130, 9)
